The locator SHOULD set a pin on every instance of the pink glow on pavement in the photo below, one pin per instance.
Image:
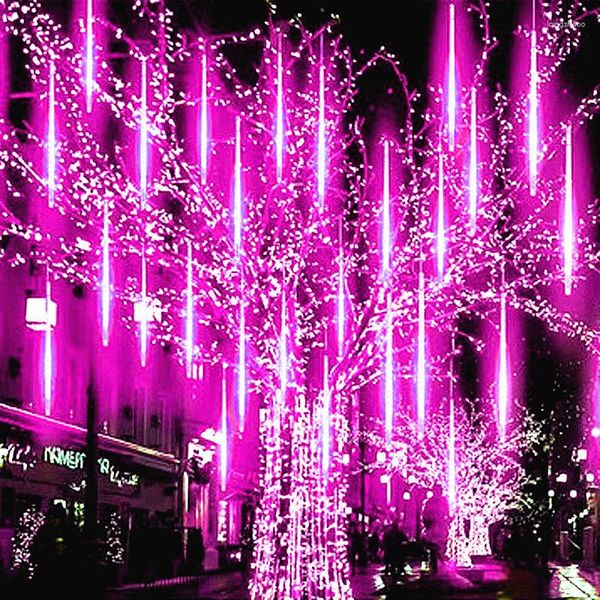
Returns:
(473, 179)
(568, 221)
(452, 99)
(533, 109)
(204, 118)
(51, 158)
(105, 282)
(89, 55)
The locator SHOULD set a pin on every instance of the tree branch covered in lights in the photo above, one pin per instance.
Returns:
(312, 257)
(488, 477)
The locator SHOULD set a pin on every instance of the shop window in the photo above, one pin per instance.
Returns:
(127, 422)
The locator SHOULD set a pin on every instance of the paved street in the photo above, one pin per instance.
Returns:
(483, 582)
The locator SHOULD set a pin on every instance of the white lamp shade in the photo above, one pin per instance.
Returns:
(151, 307)
(40, 313)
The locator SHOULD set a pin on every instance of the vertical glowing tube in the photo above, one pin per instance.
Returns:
(48, 368)
(89, 55)
(283, 360)
(105, 284)
(568, 230)
(452, 76)
(326, 420)
(204, 118)
(237, 190)
(421, 374)
(224, 433)
(386, 225)
(341, 306)
(51, 176)
(279, 134)
(242, 369)
(441, 220)
(503, 390)
(473, 183)
(533, 108)
(144, 313)
(189, 314)
(389, 373)
(321, 143)
(144, 136)
(452, 457)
